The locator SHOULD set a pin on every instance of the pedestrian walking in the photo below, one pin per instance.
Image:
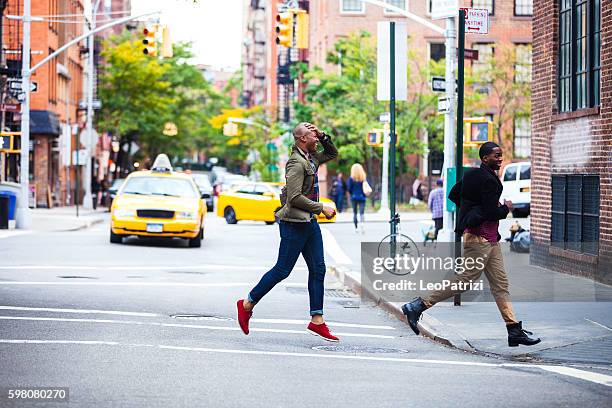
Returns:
(339, 191)
(477, 197)
(357, 189)
(436, 205)
(299, 229)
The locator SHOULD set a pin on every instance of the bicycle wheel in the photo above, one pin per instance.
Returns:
(398, 244)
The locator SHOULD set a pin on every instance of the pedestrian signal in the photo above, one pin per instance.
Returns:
(477, 131)
(374, 138)
(301, 29)
(284, 29)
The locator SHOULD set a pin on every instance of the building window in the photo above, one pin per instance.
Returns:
(579, 60)
(522, 69)
(575, 212)
(522, 137)
(485, 4)
(402, 4)
(482, 67)
(437, 51)
(352, 6)
(523, 7)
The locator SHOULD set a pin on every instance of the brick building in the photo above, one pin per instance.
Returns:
(510, 26)
(571, 199)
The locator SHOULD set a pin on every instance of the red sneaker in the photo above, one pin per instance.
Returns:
(243, 316)
(321, 330)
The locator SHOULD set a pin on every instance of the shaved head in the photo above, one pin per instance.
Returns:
(300, 130)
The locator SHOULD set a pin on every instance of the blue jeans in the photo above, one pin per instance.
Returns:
(296, 238)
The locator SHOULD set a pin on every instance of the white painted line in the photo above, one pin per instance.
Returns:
(602, 379)
(11, 234)
(333, 248)
(159, 284)
(144, 314)
(580, 374)
(598, 324)
(84, 311)
(141, 267)
(187, 326)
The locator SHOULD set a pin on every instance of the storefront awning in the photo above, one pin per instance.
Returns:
(43, 122)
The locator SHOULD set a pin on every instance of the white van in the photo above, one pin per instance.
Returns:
(516, 179)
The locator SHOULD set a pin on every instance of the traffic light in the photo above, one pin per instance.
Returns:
(166, 48)
(150, 40)
(301, 28)
(284, 29)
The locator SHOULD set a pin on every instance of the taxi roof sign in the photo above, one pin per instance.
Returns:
(162, 163)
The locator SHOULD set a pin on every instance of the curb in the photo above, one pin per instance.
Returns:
(426, 327)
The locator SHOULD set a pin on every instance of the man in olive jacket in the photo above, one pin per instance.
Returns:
(299, 230)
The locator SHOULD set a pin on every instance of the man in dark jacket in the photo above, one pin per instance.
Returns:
(299, 229)
(477, 196)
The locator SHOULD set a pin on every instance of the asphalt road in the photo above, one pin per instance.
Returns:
(151, 323)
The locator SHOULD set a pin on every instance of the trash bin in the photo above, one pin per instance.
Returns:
(4, 212)
(12, 197)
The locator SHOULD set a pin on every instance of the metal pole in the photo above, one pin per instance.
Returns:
(384, 197)
(459, 158)
(447, 233)
(89, 146)
(392, 112)
(22, 216)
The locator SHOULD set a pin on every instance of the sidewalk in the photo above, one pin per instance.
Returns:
(65, 219)
(577, 330)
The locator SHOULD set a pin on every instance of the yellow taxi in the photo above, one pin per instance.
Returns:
(257, 201)
(158, 203)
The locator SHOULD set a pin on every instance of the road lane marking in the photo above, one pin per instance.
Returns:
(187, 326)
(145, 314)
(160, 284)
(598, 324)
(84, 311)
(597, 378)
(602, 379)
(139, 267)
(333, 248)
(11, 234)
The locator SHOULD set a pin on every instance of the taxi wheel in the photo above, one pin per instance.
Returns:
(230, 215)
(270, 222)
(196, 242)
(115, 238)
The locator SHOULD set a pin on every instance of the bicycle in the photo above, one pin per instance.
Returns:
(395, 242)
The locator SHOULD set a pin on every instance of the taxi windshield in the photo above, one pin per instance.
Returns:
(162, 186)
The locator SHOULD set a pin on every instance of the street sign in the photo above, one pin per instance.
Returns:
(82, 157)
(470, 54)
(476, 21)
(17, 85)
(10, 107)
(96, 104)
(444, 8)
(384, 61)
(438, 84)
(443, 105)
(385, 117)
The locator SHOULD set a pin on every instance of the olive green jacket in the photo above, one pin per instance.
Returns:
(300, 176)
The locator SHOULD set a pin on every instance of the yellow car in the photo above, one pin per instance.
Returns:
(158, 203)
(257, 201)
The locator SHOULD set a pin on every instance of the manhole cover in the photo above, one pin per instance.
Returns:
(76, 277)
(359, 349)
(201, 317)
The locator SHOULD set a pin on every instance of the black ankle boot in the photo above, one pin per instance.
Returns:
(516, 336)
(413, 311)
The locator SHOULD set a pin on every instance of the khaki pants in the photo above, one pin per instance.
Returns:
(478, 247)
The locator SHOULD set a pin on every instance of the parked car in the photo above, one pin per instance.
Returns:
(516, 179)
(257, 201)
(158, 203)
(206, 189)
